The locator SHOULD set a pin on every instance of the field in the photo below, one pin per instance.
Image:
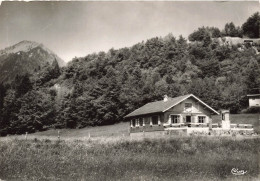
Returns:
(119, 129)
(183, 158)
(110, 154)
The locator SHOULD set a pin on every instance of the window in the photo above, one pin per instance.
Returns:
(133, 122)
(137, 122)
(202, 119)
(147, 120)
(141, 122)
(175, 118)
(187, 106)
(155, 120)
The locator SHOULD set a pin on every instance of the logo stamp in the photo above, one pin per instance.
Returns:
(235, 171)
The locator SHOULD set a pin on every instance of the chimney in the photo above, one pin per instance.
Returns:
(165, 98)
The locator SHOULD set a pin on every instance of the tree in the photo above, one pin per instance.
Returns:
(2, 121)
(202, 35)
(251, 27)
(36, 112)
(48, 73)
(232, 30)
(22, 84)
(2, 95)
(198, 35)
(253, 77)
(55, 71)
(9, 112)
(215, 32)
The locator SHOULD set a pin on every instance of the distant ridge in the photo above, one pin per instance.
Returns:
(26, 46)
(25, 57)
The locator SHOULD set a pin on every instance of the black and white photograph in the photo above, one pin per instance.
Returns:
(130, 90)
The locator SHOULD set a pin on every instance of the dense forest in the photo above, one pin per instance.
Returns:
(103, 87)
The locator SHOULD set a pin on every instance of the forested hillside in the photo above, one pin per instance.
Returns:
(103, 87)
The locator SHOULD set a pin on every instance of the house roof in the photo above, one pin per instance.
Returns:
(162, 106)
(253, 95)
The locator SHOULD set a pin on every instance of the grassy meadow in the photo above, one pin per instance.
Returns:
(119, 129)
(176, 158)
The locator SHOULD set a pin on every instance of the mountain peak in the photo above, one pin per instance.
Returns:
(27, 46)
(25, 57)
(23, 46)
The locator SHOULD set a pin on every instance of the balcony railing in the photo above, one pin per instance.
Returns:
(201, 125)
(218, 125)
(204, 125)
(166, 125)
(241, 125)
(186, 125)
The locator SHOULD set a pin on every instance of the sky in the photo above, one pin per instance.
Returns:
(75, 29)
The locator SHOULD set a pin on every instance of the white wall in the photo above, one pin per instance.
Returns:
(254, 102)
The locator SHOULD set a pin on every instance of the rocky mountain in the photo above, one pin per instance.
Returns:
(25, 57)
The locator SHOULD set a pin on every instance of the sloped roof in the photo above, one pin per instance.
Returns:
(253, 95)
(161, 106)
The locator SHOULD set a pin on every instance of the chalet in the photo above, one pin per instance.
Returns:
(183, 112)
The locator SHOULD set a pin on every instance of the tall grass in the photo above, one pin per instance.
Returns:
(187, 158)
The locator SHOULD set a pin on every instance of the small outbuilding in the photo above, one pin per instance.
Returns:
(254, 100)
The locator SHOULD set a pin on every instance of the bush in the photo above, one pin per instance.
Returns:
(251, 110)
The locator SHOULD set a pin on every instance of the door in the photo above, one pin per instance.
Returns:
(188, 120)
